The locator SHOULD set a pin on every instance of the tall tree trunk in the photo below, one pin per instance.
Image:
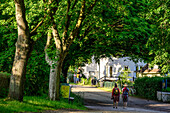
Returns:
(53, 67)
(52, 82)
(63, 44)
(23, 49)
(59, 69)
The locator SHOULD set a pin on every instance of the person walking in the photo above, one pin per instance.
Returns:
(125, 93)
(115, 96)
(78, 76)
(75, 76)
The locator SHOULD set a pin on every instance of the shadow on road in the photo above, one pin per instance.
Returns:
(96, 97)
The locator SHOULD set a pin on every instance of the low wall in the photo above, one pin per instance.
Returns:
(163, 96)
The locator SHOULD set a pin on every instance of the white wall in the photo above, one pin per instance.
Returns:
(117, 65)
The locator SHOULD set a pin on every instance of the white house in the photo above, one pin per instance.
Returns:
(110, 69)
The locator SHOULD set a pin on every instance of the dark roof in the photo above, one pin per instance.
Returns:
(144, 68)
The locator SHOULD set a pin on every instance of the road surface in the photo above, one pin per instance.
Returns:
(99, 101)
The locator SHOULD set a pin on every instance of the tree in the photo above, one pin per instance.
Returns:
(24, 47)
(114, 22)
(63, 43)
(158, 43)
(37, 69)
(8, 35)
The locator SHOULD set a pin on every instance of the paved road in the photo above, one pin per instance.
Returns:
(98, 101)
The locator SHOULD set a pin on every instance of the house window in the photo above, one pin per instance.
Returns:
(119, 69)
(110, 71)
(137, 68)
(126, 68)
(141, 67)
(114, 70)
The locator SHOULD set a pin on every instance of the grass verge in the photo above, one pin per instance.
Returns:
(37, 104)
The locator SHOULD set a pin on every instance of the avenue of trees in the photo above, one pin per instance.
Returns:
(41, 39)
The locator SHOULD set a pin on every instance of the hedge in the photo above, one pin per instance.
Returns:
(4, 84)
(147, 87)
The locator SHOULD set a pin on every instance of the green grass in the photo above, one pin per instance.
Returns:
(166, 90)
(36, 104)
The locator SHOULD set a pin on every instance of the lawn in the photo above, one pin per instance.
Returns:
(37, 104)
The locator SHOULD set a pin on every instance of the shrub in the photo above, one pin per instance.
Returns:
(86, 81)
(147, 87)
(4, 84)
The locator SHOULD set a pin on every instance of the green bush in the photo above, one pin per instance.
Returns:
(37, 73)
(147, 87)
(86, 81)
(4, 84)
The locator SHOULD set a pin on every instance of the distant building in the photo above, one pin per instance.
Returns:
(150, 72)
(110, 69)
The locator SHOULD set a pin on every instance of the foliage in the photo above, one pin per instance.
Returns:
(8, 33)
(37, 69)
(166, 90)
(126, 27)
(120, 29)
(37, 104)
(123, 77)
(117, 28)
(86, 81)
(159, 16)
(147, 87)
(78, 100)
(37, 76)
(4, 84)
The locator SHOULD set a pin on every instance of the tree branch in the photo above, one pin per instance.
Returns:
(75, 30)
(57, 39)
(33, 32)
(48, 60)
(74, 4)
(67, 22)
(87, 31)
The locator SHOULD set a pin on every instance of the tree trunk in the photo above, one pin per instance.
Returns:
(23, 49)
(52, 83)
(52, 77)
(59, 68)
(53, 66)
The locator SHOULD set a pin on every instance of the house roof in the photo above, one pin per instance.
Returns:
(155, 71)
(146, 70)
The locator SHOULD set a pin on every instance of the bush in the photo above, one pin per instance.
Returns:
(147, 87)
(4, 84)
(86, 81)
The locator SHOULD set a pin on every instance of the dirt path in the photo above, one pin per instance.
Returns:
(99, 100)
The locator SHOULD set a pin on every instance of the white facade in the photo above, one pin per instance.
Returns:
(111, 68)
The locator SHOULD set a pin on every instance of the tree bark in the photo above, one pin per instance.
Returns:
(52, 80)
(53, 66)
(23, 50)
(59, 69)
